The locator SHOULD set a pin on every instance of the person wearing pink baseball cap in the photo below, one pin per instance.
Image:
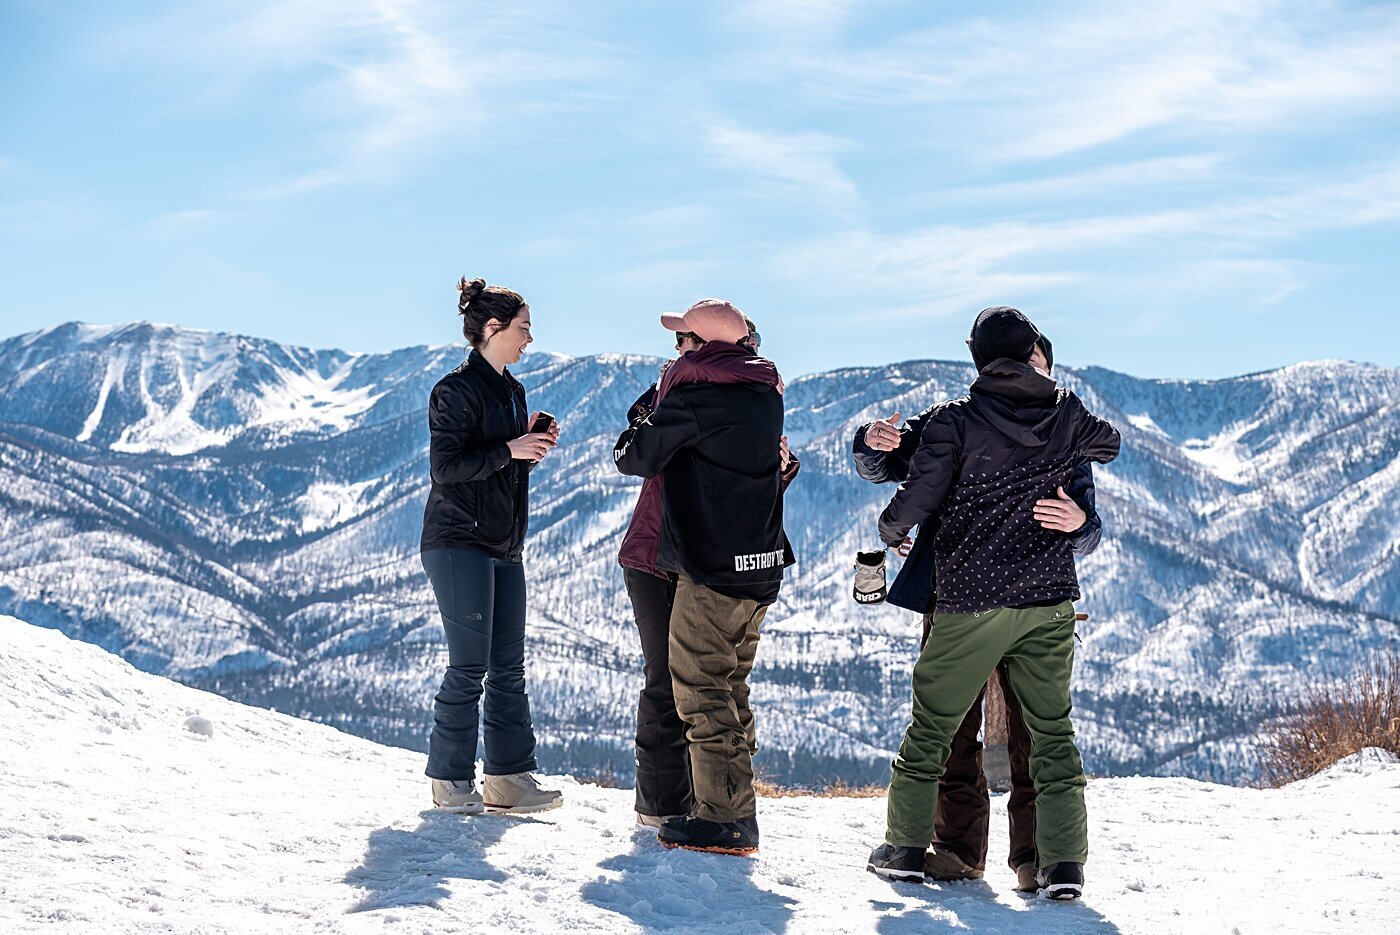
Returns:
(726, 553)
(663, 787)
(709, 320)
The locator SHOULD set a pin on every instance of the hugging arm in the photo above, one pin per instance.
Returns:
(1080, 488)
(1095, 438)
(644, 449)
(932, 471)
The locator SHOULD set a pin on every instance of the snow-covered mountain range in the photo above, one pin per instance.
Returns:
(243, 516)
(130, 804)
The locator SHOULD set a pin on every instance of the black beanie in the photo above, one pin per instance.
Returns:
(1001, 332)
(1047, 350)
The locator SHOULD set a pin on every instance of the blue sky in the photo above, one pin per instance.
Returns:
(1196, 190)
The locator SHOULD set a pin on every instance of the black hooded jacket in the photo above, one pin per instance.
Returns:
(479, 497)
(913, 586)
(981, 464)
(722, 504)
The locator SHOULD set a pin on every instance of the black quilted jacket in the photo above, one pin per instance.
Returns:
(981, 464)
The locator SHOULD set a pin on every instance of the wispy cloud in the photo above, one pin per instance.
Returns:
(32, 218)
(804, 163)
(379, 85)
(1034, 84)
(1133, 175)
(804, 20)
(180, 222)
(673, 276)
(1269, 280)
(941, 269)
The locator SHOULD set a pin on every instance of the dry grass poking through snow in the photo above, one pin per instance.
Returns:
(837, 789)
(1335, 722)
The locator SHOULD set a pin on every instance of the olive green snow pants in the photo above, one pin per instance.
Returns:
(713, 642)
(962, 651)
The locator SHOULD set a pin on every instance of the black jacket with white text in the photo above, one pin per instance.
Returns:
(722, 504)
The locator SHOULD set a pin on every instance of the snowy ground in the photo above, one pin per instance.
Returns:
(131, 804)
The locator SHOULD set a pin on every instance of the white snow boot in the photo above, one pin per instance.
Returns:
(518, 794)
(457, 796)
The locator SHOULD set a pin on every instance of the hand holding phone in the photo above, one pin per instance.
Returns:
(535, 444)
(543, 423)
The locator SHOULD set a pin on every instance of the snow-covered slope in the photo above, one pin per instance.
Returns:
(244, 516)
(131, 804)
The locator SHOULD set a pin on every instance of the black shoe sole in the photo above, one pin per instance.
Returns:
(1062, 892)
(898, 876)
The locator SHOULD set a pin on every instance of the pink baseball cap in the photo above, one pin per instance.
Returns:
(710, 320)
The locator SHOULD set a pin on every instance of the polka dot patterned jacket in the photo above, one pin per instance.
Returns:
(982, 462)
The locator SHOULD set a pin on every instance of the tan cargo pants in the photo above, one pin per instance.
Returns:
(713, 642)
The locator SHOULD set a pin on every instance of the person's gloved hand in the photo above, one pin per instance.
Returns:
(870, 577)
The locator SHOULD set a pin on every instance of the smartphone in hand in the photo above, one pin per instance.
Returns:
(543, 422)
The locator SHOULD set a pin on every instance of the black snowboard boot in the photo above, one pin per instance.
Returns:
(1064, 880)
(897, 863)
(698, 834)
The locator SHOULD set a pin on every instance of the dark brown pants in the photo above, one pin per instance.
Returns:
(964, 807)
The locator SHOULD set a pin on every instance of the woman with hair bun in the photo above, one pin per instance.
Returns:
(481, 455)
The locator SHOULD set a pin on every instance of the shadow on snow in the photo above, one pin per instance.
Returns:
(412, 868)
(973, 906)
(675, 890)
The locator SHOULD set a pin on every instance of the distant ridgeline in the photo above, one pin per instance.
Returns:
(243, 516)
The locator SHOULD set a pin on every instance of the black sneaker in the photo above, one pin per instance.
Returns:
(1064, 880)
(698, 834)
(897, 863)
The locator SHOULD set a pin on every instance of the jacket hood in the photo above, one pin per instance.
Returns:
(1019, 401)
(720, 362)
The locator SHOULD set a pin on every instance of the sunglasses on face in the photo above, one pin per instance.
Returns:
(683, 336)
(754, 340)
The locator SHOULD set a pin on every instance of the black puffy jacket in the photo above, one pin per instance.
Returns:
(722, 503)
(479, 497)
(913, 586)
(981, 464)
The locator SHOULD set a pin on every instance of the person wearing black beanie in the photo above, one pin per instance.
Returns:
(1001, 332)
(988, 471)
(962, 816)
